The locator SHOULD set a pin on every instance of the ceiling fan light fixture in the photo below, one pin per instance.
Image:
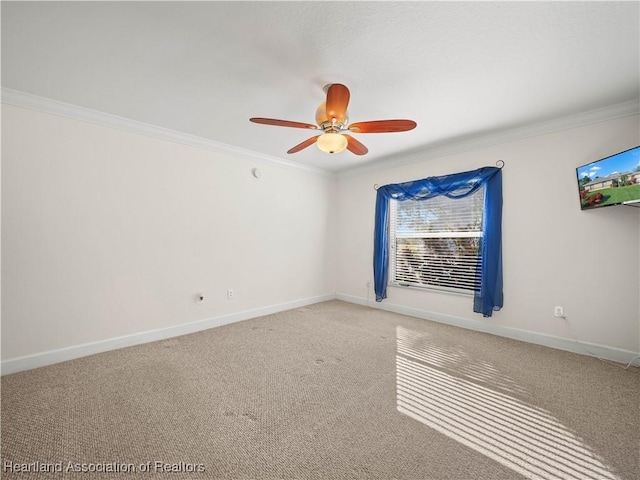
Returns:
(332, 142)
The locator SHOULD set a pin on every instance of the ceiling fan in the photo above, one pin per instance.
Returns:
(331, 118)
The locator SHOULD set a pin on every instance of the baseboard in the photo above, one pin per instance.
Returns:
(570, 345)
(28, 362)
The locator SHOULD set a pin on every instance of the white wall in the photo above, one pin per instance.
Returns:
(107, 233)
(554, 253)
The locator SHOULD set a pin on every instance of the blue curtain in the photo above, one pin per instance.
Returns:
(489, 296)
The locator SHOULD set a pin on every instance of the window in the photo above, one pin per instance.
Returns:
(436, 243)
(437, 247)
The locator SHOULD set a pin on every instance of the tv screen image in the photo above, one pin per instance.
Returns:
(611, 180)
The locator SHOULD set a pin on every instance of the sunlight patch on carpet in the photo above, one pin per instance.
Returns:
(477, 406)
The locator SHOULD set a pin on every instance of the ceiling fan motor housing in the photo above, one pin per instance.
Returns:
(326, 123)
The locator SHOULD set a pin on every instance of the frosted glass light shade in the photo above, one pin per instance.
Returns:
(332, 142)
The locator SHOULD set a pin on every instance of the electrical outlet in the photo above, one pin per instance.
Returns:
(230, 294)
(558, 312)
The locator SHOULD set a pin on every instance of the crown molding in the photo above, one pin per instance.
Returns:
(47, 105)
(604, 114)
(26, 100)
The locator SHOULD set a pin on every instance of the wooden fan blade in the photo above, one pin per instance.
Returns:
(354, 146)
(337, 102)
(303, 145)
(383, 126)
(282, 123)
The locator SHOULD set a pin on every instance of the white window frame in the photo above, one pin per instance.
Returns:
(398, 276)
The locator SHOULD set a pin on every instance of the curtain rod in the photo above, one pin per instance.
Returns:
(499, 164)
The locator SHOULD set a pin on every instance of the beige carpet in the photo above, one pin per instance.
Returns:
(329, 391)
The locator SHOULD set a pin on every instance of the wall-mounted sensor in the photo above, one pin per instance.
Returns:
(256, 173)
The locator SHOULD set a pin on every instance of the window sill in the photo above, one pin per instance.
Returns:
(450, 291)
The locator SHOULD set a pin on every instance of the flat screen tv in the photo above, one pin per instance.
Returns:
(613, 180)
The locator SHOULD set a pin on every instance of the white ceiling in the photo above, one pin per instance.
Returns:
(459, 69)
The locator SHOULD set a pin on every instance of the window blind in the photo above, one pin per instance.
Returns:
(436, 243)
